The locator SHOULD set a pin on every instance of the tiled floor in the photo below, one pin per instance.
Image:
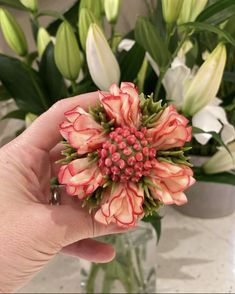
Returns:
(194, 255)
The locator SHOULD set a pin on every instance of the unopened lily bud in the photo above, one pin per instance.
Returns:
(205, 85)
(85, 20)
(102, 64)
(29, 119)
(190, 10)
(43, 39)
(112, 9)
(95, 6)
(30, 4)
(13, 33)
(67, 53)
(171, 10)
(221, 161)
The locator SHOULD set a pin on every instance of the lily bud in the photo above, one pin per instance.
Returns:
(95, 6)
(102, 64)
(205, 85)
(29, 119)
(30, 4)
(221, 161)
(85, 20)
(67, 53)
(190, 10)
(13, 33)
(171, 10)
(43, 39)
(112, 9)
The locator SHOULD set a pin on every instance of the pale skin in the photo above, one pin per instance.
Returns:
(32, 231)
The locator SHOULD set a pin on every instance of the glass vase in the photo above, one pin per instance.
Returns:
(132, 271)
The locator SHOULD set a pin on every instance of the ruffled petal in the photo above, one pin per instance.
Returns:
(81, 177)
(122, 105)
(82, 131)
(122, 205)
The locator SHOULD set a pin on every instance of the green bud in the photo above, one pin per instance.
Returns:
(67, 53)
(29, 119)
(112, 9)
(13, 33)
(190, 10)
(30, 4)
(171, 10)
(43, 39)
(85, 20)
(95, 6)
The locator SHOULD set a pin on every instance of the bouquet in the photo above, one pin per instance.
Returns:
(125, 157)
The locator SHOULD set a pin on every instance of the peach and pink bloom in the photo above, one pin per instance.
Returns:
(123, 159)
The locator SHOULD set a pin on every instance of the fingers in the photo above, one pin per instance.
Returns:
(91, 250)
(44, 131)
(72, 223)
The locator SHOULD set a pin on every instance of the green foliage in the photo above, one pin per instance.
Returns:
(150, 39)
(23, 84)
(218, 12)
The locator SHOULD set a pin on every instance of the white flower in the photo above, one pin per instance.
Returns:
(213, 118)
(102, 64)
(177, 80)
(221, 161)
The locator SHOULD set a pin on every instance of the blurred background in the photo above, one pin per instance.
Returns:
(183, 51)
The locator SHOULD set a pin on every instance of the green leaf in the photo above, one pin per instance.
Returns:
(198, 26)
(4, 95)
(23, 84)
(16, 4)
(147, 35)
(155, 221)
(18, 114)
(214, 135)
(131, 62)
(71, 15)
(51, 77)
(229, 77)
(223, 178)
(217, 12)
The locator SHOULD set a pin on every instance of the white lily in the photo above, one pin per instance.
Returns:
(102, 64)
(221, 161)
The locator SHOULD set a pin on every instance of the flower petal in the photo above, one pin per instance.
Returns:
(122, 105)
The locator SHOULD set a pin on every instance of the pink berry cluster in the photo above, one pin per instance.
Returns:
(126, 156)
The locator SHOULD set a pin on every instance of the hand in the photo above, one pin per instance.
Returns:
(32, 231)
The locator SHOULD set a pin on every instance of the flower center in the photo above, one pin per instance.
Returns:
(126, 156)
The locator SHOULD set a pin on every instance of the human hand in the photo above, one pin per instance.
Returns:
(32, 231)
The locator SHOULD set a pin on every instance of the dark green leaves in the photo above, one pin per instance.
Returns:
(223, 178)
(23, 84)
(147, 35)
(155, 221)
(51, 77)
(13, 4)
(217, 12)
(18, 114)
(210, 28)
(130, 62)
(4, 95)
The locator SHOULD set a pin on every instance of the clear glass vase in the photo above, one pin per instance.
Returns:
(132, 271)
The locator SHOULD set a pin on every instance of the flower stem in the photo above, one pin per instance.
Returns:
(74, 87)
(165, 68)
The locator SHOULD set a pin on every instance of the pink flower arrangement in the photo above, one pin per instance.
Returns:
(128, 156)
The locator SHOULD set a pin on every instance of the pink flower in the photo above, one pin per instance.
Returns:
(170, 130)
(122, 155)
(122, 104)
(170, 180)
(81, 177)
(81, 131)
(122, 205)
